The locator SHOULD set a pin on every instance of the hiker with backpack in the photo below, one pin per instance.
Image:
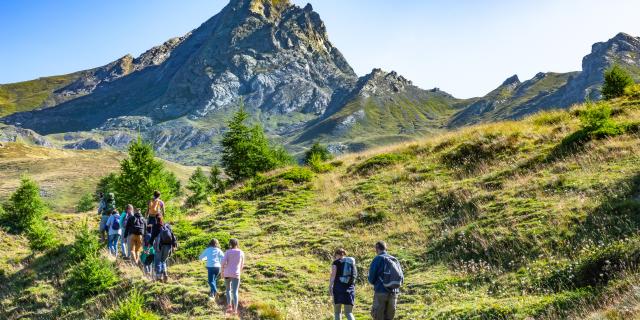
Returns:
(125, 246)
(232, 265)
(105, 208)
(386, 276)
(134, 232)
(164, 244)
(342, 284)
(213, 255)
(113, 225)
(155, 208)
(148, 253)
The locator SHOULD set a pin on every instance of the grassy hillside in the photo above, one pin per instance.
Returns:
(512, 220)
(29, 95)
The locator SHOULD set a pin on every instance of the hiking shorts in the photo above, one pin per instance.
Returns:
(103, 223)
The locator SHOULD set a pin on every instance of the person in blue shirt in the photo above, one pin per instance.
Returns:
(384, 300)
(213, 255)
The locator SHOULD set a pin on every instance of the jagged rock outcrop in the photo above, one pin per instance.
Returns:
(10, 133)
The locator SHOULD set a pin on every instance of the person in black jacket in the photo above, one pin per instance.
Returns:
(134, 231)
(164, 242)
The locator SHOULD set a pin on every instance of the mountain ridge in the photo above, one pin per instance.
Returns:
(278, 59)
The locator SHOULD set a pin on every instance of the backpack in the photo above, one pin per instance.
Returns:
(109, 203)
(392, 276)
(154, 207)
(138, 225)
(349, 271)
(166, 236)
(115, 225)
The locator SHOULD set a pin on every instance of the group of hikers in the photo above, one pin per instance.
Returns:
(149, 242)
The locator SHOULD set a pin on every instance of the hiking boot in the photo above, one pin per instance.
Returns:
(165, 276)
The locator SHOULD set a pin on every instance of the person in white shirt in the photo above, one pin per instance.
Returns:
(213, 255)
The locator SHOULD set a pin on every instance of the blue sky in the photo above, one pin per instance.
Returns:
(464, 47)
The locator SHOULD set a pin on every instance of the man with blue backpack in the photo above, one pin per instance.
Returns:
(386, 276)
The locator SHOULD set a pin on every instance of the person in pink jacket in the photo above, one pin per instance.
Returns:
(232, 265)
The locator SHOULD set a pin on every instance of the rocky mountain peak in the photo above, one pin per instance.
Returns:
(512, 81)
(379, 82)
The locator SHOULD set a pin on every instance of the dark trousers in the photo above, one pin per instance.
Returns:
(212, 278)
(384, 306)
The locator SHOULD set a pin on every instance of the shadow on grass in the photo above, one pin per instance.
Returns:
(49, 267)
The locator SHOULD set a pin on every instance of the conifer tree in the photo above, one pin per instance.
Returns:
(616, 79)
(246, 150)
(140, 174)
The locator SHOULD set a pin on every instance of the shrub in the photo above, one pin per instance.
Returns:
(86, 203)
(317, 152)
(550, 118)
(193, 246)
(91, 276)
(616, 79)
(318, 165)
(632, 91)
(132, 308)
(86, 244)
(41, 236)
(471, 153)
(199, 186)
(229, 206)
(372, 215)
(260, 186)
(595, 268)
(25, 206)
(378, 161)
(597, 123)
(297, 175)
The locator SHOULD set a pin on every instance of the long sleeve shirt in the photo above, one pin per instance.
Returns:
(213, 256)
(376, 271)
(110, 223)
(233, 263)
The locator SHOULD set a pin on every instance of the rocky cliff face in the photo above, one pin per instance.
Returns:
(274, 55)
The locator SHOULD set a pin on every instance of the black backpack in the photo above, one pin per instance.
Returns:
(138, 225)
(166, 236)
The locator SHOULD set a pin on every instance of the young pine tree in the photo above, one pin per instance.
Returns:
(199, 187)
(140, 174)
(25, 206)
(216, 183)
(616, 79)
(317, 152)
(25, 212)
(246, 150)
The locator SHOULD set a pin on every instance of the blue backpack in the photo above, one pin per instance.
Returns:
(115, 225)
(349, 271)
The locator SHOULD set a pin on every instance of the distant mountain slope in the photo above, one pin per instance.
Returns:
(382, 108)
(32, 94)
(511, 96)
(514, 99)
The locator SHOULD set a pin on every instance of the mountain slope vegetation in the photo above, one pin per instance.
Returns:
(511, 220)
